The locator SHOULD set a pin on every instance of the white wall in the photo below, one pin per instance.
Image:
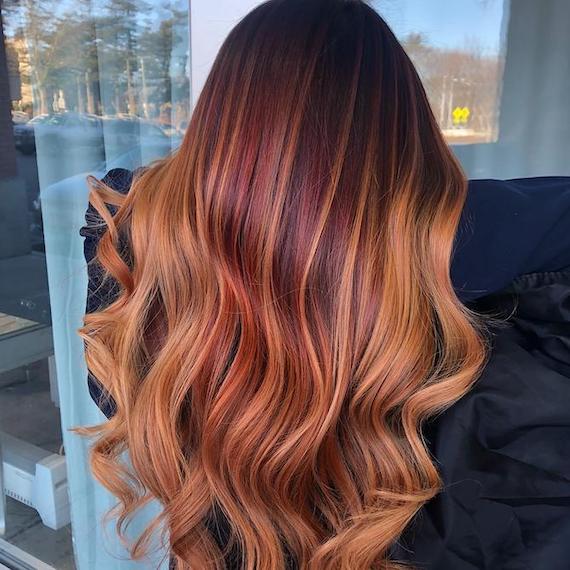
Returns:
(210, 23)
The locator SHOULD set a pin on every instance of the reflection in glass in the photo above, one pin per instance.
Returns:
(459, 51)
(85, 86)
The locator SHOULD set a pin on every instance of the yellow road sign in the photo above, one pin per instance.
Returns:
(460, 115)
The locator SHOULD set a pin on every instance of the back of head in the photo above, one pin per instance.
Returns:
(286, 320)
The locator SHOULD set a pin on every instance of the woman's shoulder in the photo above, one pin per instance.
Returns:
(101, 291)
(509, 228)
(119, 179)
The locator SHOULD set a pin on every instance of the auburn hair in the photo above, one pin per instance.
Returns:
(285, 321)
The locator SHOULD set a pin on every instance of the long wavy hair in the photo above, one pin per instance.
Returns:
(285, 320)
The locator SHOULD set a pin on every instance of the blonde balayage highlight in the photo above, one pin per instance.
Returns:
(285, 320)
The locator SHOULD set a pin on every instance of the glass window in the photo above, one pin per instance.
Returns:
(85, 86)
(498, 77)
(459, 51)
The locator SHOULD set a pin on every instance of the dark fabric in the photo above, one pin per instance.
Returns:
(509, 228)
(503, 449)
(99, 292)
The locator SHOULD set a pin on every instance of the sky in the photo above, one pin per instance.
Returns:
(448, 23)
(444, 23)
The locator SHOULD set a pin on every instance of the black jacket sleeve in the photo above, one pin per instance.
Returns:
(99, 292)
(510, 228)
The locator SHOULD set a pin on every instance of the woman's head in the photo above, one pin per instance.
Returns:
(286, 320)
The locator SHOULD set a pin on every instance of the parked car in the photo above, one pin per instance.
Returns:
(109, 135)
(59, 132)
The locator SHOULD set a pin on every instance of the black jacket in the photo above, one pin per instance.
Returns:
(504, 449)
